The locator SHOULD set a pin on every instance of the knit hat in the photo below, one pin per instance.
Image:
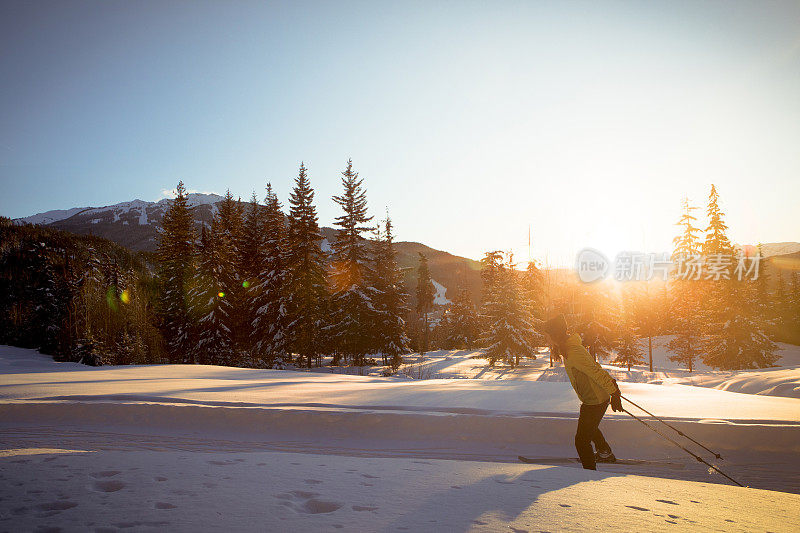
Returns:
(556, 327)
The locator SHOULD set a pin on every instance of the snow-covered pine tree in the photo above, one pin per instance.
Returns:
(510, 334)
(352, 304)
(628, 351)
(270, 321)
(716, 241)
(307, 289)
(644, 313)
(462, 325)
(687, 243)
(175, 257)
(738, 338)
(424, 296)
(736, 330)
(227, 229)
(686, 295)
(389, 328)
(210, 305)
(596, 336)
(533, 298)
(250, 265)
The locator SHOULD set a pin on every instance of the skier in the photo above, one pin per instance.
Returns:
(594, 387)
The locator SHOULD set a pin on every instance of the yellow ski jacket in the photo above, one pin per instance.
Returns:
(592, 384)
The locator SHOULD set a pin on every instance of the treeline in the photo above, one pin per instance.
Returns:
(726, 323)
(256, 288)
(78, 298)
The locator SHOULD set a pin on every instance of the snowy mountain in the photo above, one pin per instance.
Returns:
(133, 224)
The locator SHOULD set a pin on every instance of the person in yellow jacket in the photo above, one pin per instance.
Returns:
(594, 387)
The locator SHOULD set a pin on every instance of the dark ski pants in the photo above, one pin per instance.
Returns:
(589, 432)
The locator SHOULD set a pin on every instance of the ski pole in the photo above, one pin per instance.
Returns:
(681, 433)
(683, 448)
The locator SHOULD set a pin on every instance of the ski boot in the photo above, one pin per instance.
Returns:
(605, 457)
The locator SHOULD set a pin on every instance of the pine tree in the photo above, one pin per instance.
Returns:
(390, 300)
(686, 296)
(461, 322)
(270, 300)
(352, 297)
(627, 348)
(175, 253)
(250, 264)
(425, 293)
(210, 305)
(687, 243)
(716, 241)
(510, 333)
(227, 229)
(645, 316)
(533, 299)
(307, 290)
(738, 336)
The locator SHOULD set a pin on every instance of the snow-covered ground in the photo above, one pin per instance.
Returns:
(268, 491)
(190, 448)
(781, 380)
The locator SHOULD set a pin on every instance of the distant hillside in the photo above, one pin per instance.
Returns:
(135, 225)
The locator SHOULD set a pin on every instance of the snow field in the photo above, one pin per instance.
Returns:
(109, 491)
(201, 448)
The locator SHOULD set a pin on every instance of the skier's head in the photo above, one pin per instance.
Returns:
(556, 329)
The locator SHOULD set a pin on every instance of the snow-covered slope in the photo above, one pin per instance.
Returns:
(139, 206)
(48, 217)
(439, 297)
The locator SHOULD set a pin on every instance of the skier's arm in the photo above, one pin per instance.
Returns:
(586, 364)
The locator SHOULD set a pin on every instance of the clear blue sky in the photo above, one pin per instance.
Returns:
(469, 121)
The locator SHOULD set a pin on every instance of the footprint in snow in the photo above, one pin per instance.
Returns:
(57, 506)
(637, 508)
(165, 505)
(370, 476)
(110, 485)
(312, 481)
(564, 505)
(307, 502)
(667, 501)
(105, 473)
(160, 478)
(364, 508)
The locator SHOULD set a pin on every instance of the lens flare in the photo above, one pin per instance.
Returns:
(246, 284)
(125, 297)
(221, 294)
(111, 299)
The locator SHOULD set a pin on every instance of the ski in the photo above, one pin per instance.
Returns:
(573, 460)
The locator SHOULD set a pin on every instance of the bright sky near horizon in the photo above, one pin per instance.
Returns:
(469, 121)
